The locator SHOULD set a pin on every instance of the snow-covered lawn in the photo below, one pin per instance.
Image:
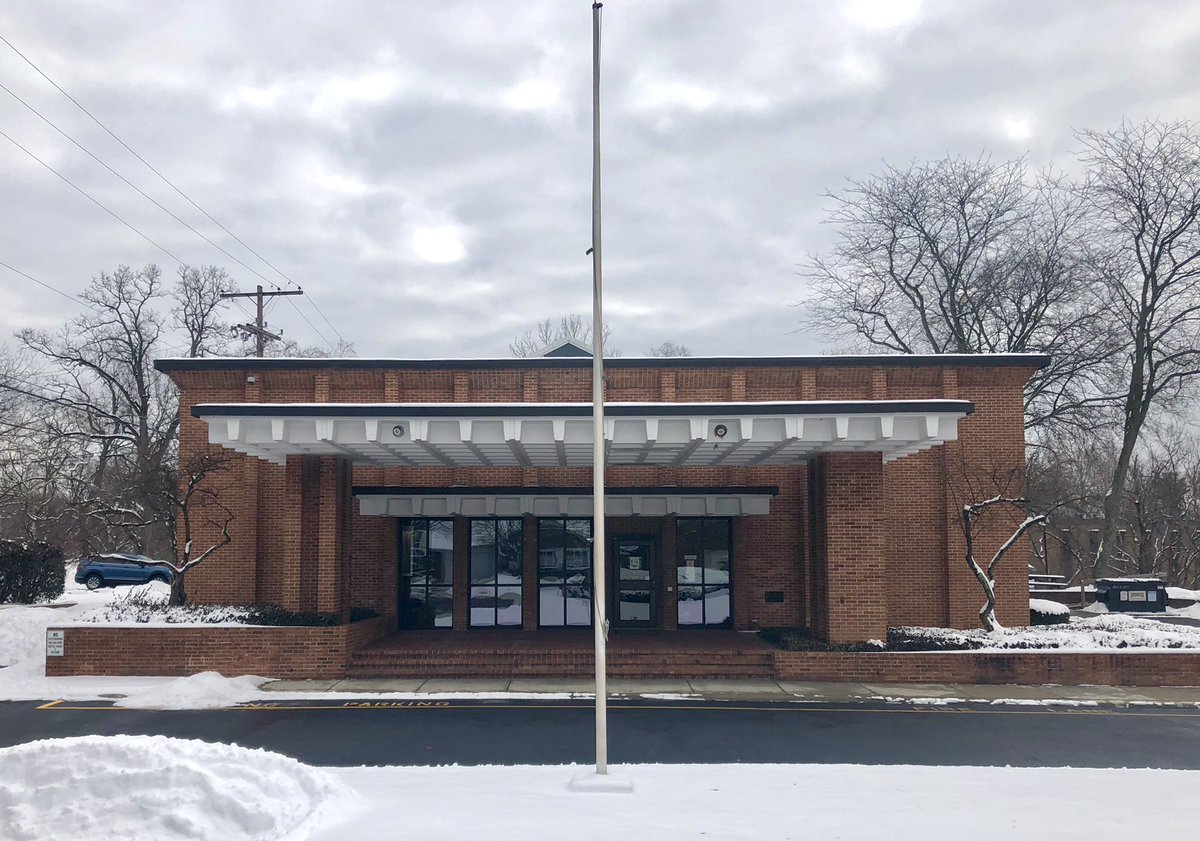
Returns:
(126, 787)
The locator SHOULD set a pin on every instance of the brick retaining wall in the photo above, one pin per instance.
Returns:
(283, 652)
(1170, 668)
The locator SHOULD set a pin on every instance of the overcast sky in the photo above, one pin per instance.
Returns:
(423, 169)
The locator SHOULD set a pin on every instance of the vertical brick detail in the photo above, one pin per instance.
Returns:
(462, 386)
(879, 384)
(737, 384)
(391, 387)
(321, 387)
(529, 386)
(529, 574)
(855, 568)
(808, 384)
(461, 574)
(666, 385)
(310, 514)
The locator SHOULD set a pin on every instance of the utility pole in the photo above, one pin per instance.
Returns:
(259, 328)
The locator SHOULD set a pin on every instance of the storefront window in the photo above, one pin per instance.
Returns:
(564, 572)
(703, 571)
(496, 560)
(427, 573)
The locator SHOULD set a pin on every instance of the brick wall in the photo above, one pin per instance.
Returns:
(916, 499)
(1018, 667)
(231, 650)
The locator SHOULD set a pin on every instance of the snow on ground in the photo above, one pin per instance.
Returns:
(203, 691)
(125, 787)
(1095, 633)
(1049, 608)
(1182, 593)
(23, 627)
(756, 802)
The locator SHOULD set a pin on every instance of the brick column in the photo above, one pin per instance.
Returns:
(668, 597)
(317, 504)
(529, 573)
(335, 499)
(855, 558)
(461, 574)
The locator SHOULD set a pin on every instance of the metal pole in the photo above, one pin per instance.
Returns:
(260, 342)
(598, 565)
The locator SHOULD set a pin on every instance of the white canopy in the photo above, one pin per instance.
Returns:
(559, 434)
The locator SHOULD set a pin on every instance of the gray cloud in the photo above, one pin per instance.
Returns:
(356, 144)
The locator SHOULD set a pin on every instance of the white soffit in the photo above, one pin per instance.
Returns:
(560, 435)
(555, 504)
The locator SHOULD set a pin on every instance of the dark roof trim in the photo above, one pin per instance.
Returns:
(505, 410)
(998, 360)
(686, 490)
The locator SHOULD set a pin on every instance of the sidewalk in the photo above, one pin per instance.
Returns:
(761, 690)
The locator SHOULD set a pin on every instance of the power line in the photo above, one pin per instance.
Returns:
(145, 162)
(91, 198)
(55, 289)
(139, 190)
(310, 324)
(188, 198)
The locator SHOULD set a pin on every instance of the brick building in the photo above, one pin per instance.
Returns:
(744, 492)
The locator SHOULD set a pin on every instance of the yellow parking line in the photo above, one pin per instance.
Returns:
(448, 705)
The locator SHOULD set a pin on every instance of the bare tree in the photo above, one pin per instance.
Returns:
(197, 503)
(1143, 191)
(669, 348)
(986, 576)
(970, 256)
(549, 332)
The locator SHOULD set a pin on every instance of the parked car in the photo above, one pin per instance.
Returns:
(118, 568)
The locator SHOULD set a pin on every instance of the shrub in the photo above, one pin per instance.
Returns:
(272, 614)
(1045, 612)
(30, 572)
(803, 639)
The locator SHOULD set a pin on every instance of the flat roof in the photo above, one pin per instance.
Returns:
(500, 410)
(242, 363)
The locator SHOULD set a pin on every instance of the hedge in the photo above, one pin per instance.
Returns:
(30, 573)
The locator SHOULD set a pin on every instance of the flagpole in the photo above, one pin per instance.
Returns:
(598, 541)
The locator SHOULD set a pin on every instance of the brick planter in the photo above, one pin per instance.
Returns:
(1168, 668)
(284, 652)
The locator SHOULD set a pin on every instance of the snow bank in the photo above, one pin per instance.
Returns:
(1048, 607)
(203, 691)
(124, 787)
(1183, 593)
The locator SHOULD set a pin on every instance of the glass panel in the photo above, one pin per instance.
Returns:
(508, 606)
(418, 613)
(510, 560)
(483, 607)
(691, 605)
(716, 605)
(483, 551)
(633, 606)
(440, 564)
(441, 600)
(550, 565)
(579, 601)
(688, 541)
(633, 562)
(551, 604)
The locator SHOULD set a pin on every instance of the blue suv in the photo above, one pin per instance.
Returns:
(112, 569)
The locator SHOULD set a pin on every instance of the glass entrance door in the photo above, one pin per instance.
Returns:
(634, 562)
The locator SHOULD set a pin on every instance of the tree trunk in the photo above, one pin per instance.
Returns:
(178, 593)
(1116, 492)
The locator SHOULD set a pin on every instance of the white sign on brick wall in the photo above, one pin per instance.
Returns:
(55, 643)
